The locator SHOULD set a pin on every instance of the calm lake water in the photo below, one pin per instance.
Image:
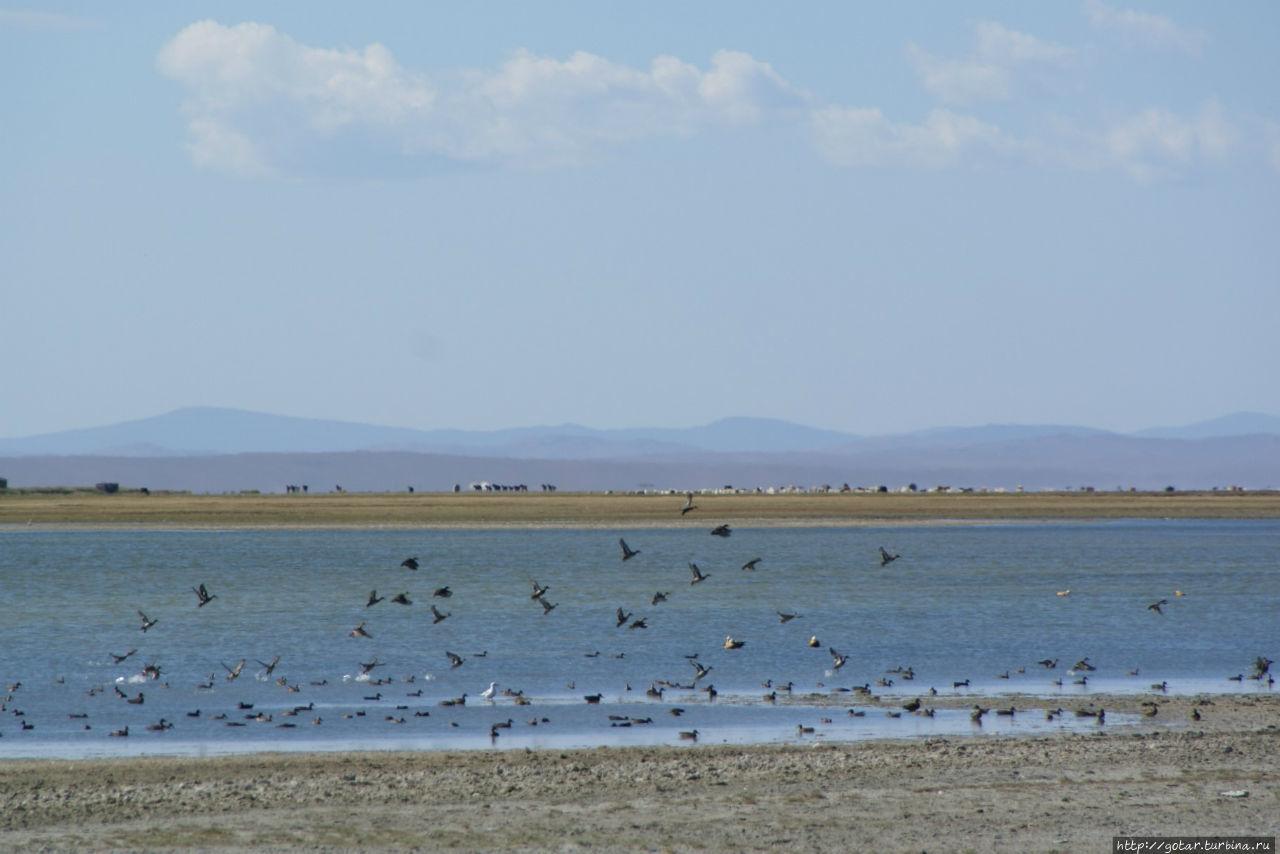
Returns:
(962, 603)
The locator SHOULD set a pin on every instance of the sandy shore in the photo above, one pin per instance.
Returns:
(88, 509)
(1168, 775)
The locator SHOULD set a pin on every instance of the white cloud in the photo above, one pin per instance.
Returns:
(988, 73)
(256, 98)
(1150, 145)
(1155, 30)
(865, 137)
(1156, 141)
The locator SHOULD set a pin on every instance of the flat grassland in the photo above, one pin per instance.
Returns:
(472, 509)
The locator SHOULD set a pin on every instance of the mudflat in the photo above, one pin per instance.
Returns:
(471, 509)
(1070, 793)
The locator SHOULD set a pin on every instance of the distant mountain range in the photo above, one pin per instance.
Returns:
(212, 449)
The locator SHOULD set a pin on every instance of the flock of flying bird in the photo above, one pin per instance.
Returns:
(623, 618)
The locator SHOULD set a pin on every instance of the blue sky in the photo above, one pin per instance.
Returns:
(864, 217)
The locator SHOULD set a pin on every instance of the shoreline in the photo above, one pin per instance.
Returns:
(88, 510)
(1066, 792)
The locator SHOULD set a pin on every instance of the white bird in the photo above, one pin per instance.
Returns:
(487, 693)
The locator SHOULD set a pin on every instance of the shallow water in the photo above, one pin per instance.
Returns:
(962, 603)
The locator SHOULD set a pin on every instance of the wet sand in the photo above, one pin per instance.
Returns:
(1167, 775)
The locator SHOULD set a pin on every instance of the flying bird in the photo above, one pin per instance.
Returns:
(374, 599)
(1155, 606)
(886, 558)
(751, 564)
(837, 660)
(659, 597)
(443, 592)
(402, 598)
(702, 669)
(538, 590)
(688, 504)
(269, 666)
(437, 616)
(455, 660)
(639, 623)
(698, 575)
(623, 616)
(120, 658)
(627, 552)
(233, 672)
(147, 622)
(410, 563)
(786, 618)
(721, 531)
(547, 606)
(359, 632)
(204, 595)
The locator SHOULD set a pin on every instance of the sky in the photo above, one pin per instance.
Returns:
(865, 217)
